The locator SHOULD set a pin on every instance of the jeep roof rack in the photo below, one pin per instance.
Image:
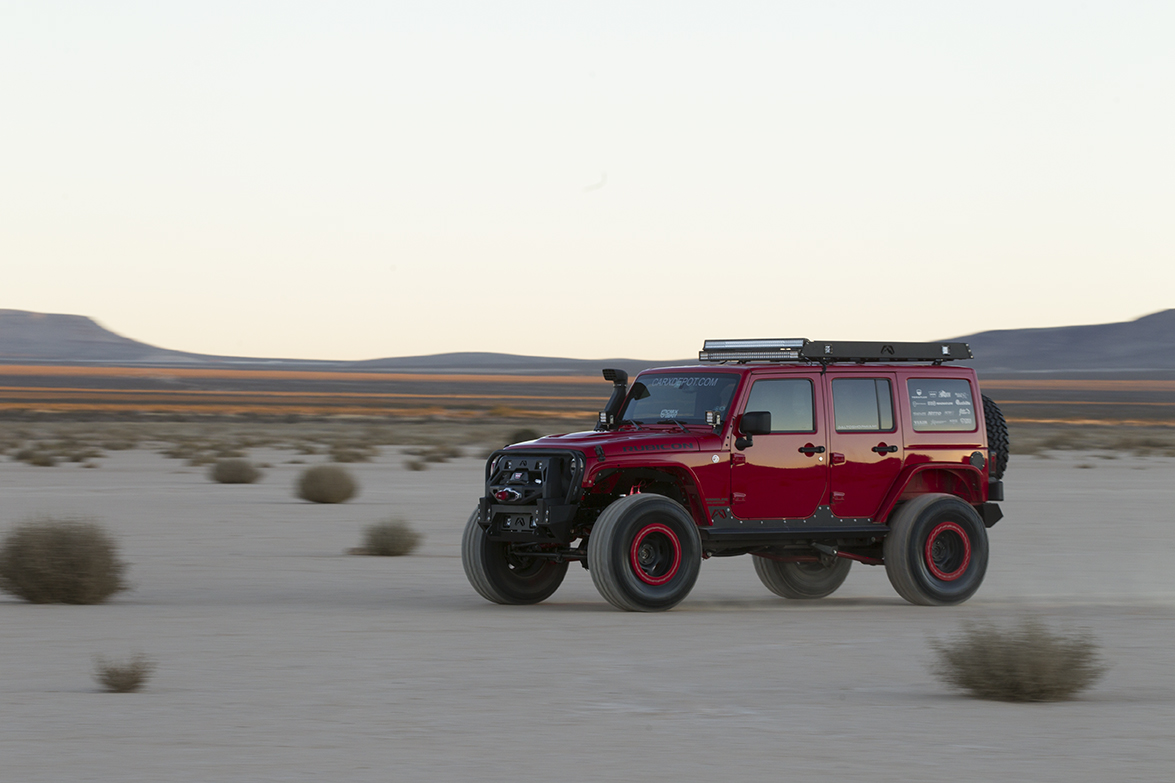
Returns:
(803, 350)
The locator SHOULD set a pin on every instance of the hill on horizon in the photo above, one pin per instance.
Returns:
(1145, 344)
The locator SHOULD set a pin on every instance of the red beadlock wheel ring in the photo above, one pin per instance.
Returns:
(653, 553)
(947, 552)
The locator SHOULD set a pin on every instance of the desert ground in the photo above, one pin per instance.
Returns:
(281, 657)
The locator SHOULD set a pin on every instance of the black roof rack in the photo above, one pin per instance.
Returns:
(803, 350)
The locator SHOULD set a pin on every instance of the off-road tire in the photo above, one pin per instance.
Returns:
(501, 577)
(644, 553)
(936, 550)
(802, 580)
(997, 437)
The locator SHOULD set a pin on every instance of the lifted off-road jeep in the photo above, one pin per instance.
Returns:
(806, 455)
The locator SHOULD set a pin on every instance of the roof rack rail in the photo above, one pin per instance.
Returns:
(824, 352)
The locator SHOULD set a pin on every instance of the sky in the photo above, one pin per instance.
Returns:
(353, 180)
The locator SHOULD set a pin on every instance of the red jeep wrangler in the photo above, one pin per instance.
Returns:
(806, 455)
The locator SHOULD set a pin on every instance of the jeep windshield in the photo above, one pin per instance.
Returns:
(678, 398)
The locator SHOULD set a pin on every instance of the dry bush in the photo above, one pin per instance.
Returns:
(119, 444)
(443, 453)
(518, 436)
(435, 454)
(353, 452)
(416, 464)
(126, 677)
(391, 538)
(1025, 663)
(234, 471)
(326, 484)
(36, 455)
(60, 561)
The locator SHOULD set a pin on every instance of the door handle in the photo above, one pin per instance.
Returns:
(810, 449)
(881, 448)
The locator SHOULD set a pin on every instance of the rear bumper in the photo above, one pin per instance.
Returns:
(990, 513)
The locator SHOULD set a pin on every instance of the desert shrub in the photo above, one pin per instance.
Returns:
(60, 561)
(119, 444)
(1025, 663)
(523, 434)
(353, 452)
(416, 464)
(126, 677)
(36, 456)
(326, 484)
(391, 538)
(443, 453)
(435, 454)
(234, 471)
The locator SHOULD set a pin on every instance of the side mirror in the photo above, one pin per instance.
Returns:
(755, 423)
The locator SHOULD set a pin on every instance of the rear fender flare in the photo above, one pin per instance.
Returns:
(963, 481)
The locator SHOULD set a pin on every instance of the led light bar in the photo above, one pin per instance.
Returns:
(748, 356)
(744, 345)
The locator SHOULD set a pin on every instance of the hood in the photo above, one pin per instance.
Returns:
(615, 444)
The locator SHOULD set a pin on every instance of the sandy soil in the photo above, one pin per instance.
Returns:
(281, 658)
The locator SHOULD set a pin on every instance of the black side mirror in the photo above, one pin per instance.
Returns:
(753, 423)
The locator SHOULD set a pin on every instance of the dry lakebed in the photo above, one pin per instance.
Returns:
(280, 657)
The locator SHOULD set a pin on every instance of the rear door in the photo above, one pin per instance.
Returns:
(865, 441)
(784, 474)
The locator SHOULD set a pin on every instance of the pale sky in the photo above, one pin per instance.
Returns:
(351, 180)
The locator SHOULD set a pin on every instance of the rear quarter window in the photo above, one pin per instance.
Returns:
(941, 405)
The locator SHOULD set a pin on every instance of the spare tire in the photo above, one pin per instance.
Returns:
(997, 437)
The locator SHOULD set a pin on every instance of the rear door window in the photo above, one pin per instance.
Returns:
(862, 405)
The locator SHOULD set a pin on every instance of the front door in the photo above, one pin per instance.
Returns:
(784, 474)
(865, 442)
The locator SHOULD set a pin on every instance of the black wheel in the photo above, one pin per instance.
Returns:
(997, 437)
(802, 580)
(936, 551)
(644, 553)
(502, 576)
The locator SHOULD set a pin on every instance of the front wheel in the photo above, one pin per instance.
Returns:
(802, 580)
(644, 553)
(936, 551)
(503, 576)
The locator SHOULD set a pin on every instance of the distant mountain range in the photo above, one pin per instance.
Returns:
(1143, 345)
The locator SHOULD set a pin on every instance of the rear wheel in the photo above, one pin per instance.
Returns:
(503, 576)
(644, 553)
(936, 551)
(802, 580)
